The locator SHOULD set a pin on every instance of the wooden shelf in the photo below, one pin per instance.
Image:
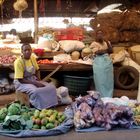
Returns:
(65, 67)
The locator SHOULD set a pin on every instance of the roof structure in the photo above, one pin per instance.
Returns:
(62, 8)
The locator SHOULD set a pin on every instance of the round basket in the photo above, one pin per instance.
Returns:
(76, 85)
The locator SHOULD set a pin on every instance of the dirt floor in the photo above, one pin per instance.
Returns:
(8, 98)
(103, 135)
(72, 135)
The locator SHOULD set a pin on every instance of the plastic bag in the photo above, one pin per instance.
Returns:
(63, 95)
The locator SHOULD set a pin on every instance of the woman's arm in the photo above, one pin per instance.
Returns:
(100, 52)
(110, 49)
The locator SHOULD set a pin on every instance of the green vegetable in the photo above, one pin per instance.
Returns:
(3, 113)
(25, 116)
(14, 109)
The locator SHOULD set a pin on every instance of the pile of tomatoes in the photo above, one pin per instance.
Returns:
(45, 61)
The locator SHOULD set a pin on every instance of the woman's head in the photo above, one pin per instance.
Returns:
(99, 36)
(26, 50)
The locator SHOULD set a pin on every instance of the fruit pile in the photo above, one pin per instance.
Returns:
(7, 59)
(136, 112)
(47, 119)
(45, 61)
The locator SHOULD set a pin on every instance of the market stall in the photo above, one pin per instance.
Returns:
(67, 51)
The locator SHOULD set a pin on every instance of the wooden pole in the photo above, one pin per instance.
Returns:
(35, 21)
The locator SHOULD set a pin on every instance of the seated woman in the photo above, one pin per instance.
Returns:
(42, 94)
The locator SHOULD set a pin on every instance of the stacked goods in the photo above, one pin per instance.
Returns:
(131, 20)
(71, 33)
(131, 36)
(119, 26)
(107, 20)
(90, 111)
(109, 24)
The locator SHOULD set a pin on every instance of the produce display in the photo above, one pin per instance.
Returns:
(45, 61)
(8, 54)
(19, 117)
(47, 119)
(7, 59)
(90, 111)
(16, 117)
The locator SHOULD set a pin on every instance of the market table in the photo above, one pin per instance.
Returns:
(66, 67)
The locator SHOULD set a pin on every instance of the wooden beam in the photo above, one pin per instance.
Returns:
(35, 21)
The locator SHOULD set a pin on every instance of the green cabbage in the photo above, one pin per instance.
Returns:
(14, 109)
(3, 113)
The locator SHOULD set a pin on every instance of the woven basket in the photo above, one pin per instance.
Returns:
(77, 85)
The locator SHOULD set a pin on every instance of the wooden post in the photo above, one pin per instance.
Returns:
(35, 21)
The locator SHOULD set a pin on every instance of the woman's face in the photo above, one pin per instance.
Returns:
(99, 36)
(27, 51)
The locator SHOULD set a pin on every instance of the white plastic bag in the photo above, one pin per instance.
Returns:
(120, 56)
(62, 58)
(63, 95)
(48, 45)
